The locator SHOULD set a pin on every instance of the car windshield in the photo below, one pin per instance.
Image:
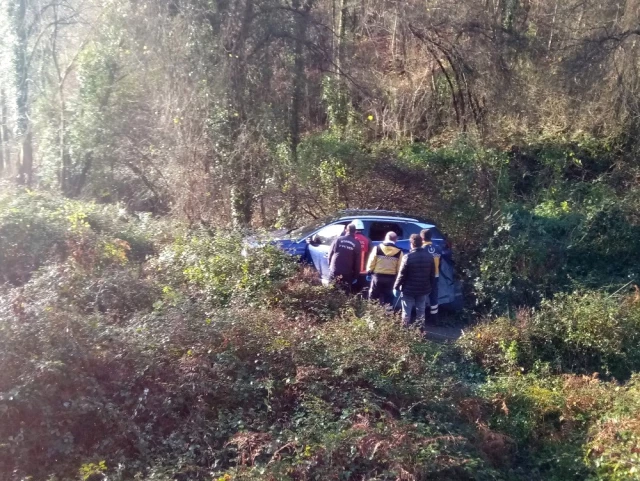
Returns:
(302, 232)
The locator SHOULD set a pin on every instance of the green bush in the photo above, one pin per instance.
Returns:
(368, 403)
(590, 331)
(303, 297)
(522, 262)
(557, 246)
(217, 364)
(38, 228)
(248, 390)
(613, 449)
(134, 349)
(140, 231)
(580, 332)
(569, 427)
(496, 345)
(548, 417)
(115, 368)
(33, 230)
(214, 269)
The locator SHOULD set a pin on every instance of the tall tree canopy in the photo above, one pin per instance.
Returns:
(210, 108)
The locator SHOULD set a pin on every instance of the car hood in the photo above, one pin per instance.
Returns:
(280, 236)
(276, 238)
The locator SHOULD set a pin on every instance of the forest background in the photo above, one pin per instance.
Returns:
(134, 135)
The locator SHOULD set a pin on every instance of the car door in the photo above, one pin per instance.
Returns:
(320, 245)
(446, 281)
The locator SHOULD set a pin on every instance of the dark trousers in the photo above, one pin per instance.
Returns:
(433, 301)
(345, 285)
(382, 288)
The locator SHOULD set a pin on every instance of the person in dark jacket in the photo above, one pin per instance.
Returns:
(436, 253)
(415, 279)
(344, 259)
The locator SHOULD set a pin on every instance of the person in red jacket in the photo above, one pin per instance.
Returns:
(365, 245)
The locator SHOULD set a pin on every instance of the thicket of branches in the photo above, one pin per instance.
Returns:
(262, 111)
(135, 349)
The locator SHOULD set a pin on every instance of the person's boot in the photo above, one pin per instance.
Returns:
(433, 315)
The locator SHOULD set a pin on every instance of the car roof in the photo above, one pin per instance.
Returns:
(365, 214)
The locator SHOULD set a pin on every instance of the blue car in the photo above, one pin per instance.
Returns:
(313, 242)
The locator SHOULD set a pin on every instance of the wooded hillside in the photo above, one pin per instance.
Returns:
(142, 141)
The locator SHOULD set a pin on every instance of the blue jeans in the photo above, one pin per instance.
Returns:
(408, 303)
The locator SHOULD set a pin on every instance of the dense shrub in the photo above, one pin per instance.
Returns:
(140, 230)
(521, 263)
(568, 427)
(580, 332)
(248, 390)
(63, 389)
(367, 402)
(555, 247)
(37, 227)
(614, 445)
(188, 360)
(214, 269)
(204, 361)
(33, 230)
(548, 417)
(589, 332)
(118, 290)
(496, 345)
(303, 296)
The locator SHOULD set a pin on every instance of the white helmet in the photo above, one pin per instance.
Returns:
(358, 223)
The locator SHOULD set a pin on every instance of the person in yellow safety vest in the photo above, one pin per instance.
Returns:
(436, 253)
(383, 266)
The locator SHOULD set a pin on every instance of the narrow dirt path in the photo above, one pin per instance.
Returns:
(442, 333)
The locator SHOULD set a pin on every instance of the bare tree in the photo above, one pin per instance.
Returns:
(23, 124)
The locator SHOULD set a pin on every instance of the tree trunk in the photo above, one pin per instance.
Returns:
(302, 18)
(242, 198)
(23, 127)
(334, 44)
(241, 205)
(394, 33)
(65, 183)
(342, 30)
(342, 117)
(553, 24)
(26, 160)
(4, 162)
(65, 174)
